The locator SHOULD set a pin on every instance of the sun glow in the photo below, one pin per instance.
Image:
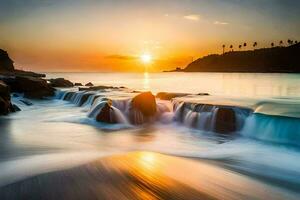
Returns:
(146, 58)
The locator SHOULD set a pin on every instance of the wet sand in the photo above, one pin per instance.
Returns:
(143, 175)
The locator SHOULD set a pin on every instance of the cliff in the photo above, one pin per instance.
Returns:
(277, 59)
(7, 67)
(6, 63)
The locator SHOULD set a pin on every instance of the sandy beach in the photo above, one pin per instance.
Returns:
(142, 175)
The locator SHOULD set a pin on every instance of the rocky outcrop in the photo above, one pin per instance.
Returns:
(106, 114)
(32, 87)
(143, 108)
(7, 67)
(5, 103)
(225, 120)
(89, 84)
(78, 84)
(60, 82)
(6, 63)
(169, 96)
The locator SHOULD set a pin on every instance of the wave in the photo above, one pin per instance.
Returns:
(278, 129)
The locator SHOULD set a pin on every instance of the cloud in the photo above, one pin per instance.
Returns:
(192, 17)
(120, 57)
(220, 23)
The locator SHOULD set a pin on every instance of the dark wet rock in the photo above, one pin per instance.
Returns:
(225, 120)
(60, 82)
(68, 96)
(106, 114)
(15, 95)
(4, 106)
(78, 84)
(145, 102)
(143, 108)
(95, 88)
(169, 96)
(15, 108)
(32, 87)
(89, 84)
(4, 90)
(26, 102)
(95, 97)
(136, 91)
(84, 98)
(203, 94)
(5, 103)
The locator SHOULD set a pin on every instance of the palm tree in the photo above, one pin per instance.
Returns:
(223, 46)
(240, 46)
(245, 44)
(272, 44)
(281, 43)
(231, 47)
(290, 42)
(254, 44)
(296, 42)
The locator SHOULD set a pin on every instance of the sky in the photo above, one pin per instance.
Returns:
(112, 35)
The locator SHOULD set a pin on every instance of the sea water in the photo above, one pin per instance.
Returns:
(54, 134)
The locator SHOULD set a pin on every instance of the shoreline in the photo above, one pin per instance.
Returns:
(142, 175)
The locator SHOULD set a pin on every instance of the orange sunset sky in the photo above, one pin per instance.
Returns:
(102, 35)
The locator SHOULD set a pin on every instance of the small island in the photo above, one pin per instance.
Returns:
(266, 60)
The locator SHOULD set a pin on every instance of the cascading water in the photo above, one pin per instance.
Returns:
(278, 129)
(209, 117)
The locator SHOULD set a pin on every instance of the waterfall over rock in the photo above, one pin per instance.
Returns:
(124, 108)
(216, 118)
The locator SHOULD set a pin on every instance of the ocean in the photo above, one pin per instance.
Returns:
(62, 132)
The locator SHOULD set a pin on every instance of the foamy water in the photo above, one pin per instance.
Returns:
(64, 133)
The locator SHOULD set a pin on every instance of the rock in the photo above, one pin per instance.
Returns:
(15, 108)
(5, 103)
(203, 94)
(143, 108)
(89, 84)
(60, 82)
(32, 87)
(26, 102)
(225, 120)
(4, 106)
(106, 115)
(68, 96)
(4, 90)
(95, 88)
(78, 84)
(84, 98)
(169, 96)
(6, 63)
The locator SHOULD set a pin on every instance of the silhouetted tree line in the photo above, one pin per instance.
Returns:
(255, 44)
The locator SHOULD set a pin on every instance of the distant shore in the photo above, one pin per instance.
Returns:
(266, 60)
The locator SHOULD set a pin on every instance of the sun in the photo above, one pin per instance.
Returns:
(146, 58)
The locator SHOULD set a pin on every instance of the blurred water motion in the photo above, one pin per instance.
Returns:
(50, 149)
(142, 175)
